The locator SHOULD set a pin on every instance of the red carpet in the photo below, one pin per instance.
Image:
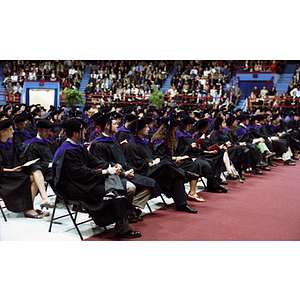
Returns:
(264, 208)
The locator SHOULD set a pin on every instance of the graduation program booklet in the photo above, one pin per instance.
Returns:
(200, 140)
(215, 147)
(29, 163)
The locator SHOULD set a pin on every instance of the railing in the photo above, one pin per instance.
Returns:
(11, 98)
(272, 102)
(182, 100)
(264, 69)
(233, 81)
(269, 83)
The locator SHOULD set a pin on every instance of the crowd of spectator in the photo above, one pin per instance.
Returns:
(68, 73)
(271, 98)
(202, 80)
(274, 66)
(133, 80)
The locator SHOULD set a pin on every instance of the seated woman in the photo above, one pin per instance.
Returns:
(186, 146)
(219, 157)
(19, 185)
(163, 143)
(234, 152)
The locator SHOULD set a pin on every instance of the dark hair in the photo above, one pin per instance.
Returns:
(69, 132)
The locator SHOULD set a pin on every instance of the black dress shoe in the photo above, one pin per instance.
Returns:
(215, 190)
(112, 196)
(289, 163)
(256, 172)
(295, 158)
(261, 164)
(223, 189)
(132, 218)
(231, 177)
(265, 168)
(271, 164)
(269, 154)
(137, 211)
(186, 208)
(128, 235)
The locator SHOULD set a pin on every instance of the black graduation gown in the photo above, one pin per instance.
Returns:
(251, 153)
(208, 167)
(19, 138)
(169, 178)
(112, 153)
(14, 186)
(162, 151)
(121, 135)
(278, 146)
(45, 153)
(234, 152)
(30, 129)
(88, 132)
(75, 174)
(217, 158)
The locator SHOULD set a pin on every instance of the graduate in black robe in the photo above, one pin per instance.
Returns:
(164, 147)
(80, 175)
(20, 135)
(186, 146)
(140, 157)
(251, 153)
(105, 147)
(279, 145)
(124, 133)
(219, 157)
(42, 148)
(19, 184)
(235, 152)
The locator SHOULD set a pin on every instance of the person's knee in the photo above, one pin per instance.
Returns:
(130, 188)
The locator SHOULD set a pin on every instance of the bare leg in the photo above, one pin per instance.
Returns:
(39, 181)
(226, 161)
(192, 194)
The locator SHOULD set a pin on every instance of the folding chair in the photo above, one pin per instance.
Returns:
(162, 200)
(1, 208)
(60, 198)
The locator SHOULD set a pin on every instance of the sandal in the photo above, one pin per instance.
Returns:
(40, 212)
(47, 205)
(230, 176)
(196, 197)
(33, 216)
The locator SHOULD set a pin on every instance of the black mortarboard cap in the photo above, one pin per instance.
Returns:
(137, 125)
(44, 123)
(73, 124)
(5, 124)
(21, 117)
(201, 123)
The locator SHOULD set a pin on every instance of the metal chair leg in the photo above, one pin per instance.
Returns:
(162, 198)
(149, 207)
(3, 213)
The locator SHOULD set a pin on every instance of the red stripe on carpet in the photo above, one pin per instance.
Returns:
(264, 208)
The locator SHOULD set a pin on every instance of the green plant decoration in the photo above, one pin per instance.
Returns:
(156, 98)
(73, 97)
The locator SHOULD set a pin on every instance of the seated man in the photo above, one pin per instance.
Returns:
(139, 157)
(80, 175)
(20, 135)
(105, 147)
(40, 147)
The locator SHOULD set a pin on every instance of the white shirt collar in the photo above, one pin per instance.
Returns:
(71, 141)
